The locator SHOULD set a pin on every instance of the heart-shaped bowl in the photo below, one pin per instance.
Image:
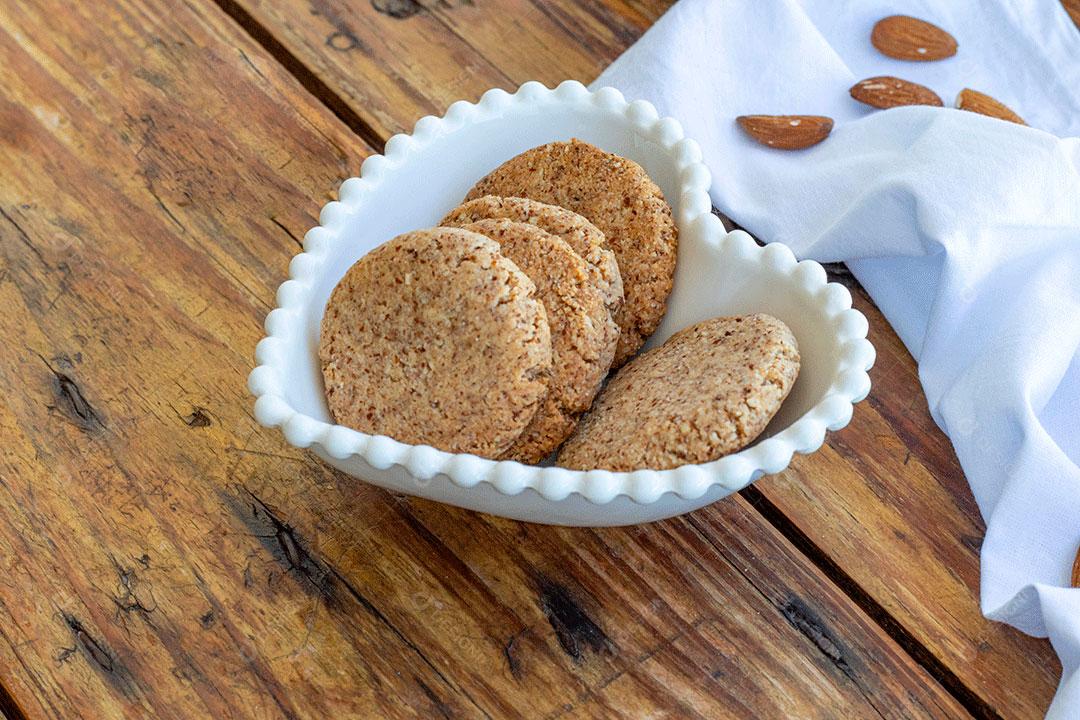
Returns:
(424, 175)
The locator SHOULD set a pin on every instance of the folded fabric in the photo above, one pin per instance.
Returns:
(964, 229)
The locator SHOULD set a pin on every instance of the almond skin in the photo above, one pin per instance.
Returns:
(1076, 571)
(888, 92)
(786, 132)
(977, 102)
(907, 38)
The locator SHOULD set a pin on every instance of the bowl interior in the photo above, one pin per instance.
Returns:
(433, 178)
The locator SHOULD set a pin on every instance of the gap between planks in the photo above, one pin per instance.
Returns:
(967, 697)
(337, 105)
(304, 75)
(9, 709)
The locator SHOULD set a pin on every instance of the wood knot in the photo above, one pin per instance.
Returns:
(198, 418)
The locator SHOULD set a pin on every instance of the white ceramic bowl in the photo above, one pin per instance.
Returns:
(424, 175)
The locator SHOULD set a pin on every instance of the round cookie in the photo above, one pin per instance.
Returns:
(435, 338)
(581, 235)
(583, 335)
(708, 391)
(617, 196)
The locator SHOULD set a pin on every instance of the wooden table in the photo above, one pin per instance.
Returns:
(162, 555)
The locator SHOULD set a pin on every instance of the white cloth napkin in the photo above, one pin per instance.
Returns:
(964, 229)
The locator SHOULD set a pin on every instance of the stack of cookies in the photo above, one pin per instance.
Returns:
(493, 333)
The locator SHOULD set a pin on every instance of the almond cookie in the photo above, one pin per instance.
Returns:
(617, 196)
(435, 338)
(580, 234)
(708, 391)
(583, 335)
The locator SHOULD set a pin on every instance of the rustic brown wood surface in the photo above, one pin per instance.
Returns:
(162, 555)
(890, 482)
(1073, 8)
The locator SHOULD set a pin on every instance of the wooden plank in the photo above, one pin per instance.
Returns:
(395, 62)
(163, 556)
(682, 616)
(889, 482)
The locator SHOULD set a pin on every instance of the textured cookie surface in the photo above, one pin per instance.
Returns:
(617, 196)
(583, 335)
(581, 235)
(435, 338)
(708, 391)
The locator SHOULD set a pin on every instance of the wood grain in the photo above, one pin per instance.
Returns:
(141, 203)
(393, 62)
(556, 616)
(161, 555)
(886, 501)
(890, 482)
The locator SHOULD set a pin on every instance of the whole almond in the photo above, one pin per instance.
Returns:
(977, 102)
(888, 92)
(907, 38)
(786, 132)
(1076, 571)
